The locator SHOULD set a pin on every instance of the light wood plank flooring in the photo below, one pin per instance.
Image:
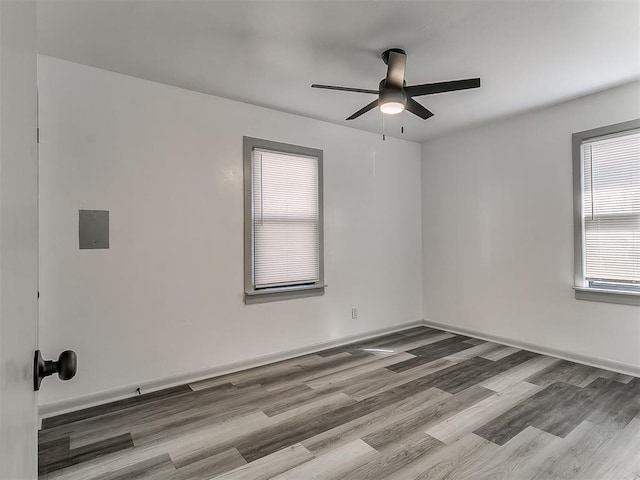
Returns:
(417, 404)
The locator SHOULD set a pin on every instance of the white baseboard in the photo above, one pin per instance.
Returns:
(86, 401)
(592, 361)
(79, 403)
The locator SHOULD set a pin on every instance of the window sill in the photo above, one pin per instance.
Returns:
(283, 293)
(608, 296)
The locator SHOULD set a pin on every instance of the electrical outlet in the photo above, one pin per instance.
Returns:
(354, 312)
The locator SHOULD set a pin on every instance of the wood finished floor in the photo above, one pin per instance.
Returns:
(417, 404)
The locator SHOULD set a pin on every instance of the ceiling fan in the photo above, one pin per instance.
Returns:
(394, 95)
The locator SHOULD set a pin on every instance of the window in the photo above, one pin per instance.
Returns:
(606, 170)
(283, 221)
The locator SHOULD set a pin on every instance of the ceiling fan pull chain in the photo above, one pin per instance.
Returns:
(383, 135)
(402, 126)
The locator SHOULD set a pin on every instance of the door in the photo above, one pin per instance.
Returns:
(18, 240)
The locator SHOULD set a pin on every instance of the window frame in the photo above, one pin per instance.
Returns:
(251, 294)
(581, 289)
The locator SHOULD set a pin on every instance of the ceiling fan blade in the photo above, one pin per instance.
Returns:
(440, 87)
(395, 72)
(417, 109)
(345, 89)
(365, 109)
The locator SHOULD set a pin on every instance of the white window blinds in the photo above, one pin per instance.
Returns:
(611, 208)
(285, 218)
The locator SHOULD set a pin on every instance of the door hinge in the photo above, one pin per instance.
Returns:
(37, 135)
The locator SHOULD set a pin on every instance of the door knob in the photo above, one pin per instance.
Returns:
(65, 367)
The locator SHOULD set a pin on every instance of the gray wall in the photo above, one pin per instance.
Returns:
(167, 297)
(498, 232)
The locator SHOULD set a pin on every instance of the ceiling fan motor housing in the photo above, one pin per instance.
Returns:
(391, 95)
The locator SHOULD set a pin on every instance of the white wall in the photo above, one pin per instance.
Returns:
(167, 297)
(498, 232)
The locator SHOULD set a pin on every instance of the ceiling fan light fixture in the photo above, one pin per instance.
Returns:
(391, 108)
(391, 101)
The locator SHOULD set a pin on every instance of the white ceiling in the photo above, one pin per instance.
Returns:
(268, 53)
